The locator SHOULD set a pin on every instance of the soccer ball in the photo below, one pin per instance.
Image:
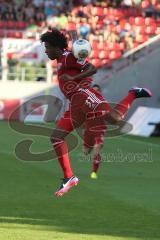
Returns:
(81, 48)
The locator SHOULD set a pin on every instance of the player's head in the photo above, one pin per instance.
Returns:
(55, 43)
(96, 87)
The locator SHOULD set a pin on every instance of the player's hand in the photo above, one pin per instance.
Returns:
(66, 77)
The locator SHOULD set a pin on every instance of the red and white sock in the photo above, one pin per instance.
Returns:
(61, 150)
(96, 162)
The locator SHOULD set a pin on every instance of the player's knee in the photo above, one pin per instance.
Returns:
(97, 149)
(116, 120)
(58, 135)
(55, 139)
(116, 117)
(52, 139)
(87, 150)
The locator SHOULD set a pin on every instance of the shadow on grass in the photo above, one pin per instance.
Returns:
(90, 213)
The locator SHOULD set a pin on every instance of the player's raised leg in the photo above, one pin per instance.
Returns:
(134, 93)
(118, 113)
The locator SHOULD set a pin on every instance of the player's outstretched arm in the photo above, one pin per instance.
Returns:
(87, 71)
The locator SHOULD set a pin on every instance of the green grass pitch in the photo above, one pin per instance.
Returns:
(122, 204)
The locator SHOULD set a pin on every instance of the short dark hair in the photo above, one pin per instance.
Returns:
(55, 38)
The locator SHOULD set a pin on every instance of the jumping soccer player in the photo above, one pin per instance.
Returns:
(93, 142)
(85, 103)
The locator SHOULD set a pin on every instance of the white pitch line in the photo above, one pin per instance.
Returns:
(140, 142)
(6, 152)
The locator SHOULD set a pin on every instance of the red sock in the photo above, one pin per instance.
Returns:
(96, 162)
(61, 150)
(123, 106)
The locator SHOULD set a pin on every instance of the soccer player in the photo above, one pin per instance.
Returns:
(85, 103)
(94, 142)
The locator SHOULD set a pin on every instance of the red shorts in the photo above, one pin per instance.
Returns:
(94, 132)
(89, 140)
(88, 106)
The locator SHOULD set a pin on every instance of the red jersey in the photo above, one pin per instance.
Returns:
(68, 64)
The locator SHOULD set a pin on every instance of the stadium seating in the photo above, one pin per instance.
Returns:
(116, 21)
(20, 25)
(119, 21)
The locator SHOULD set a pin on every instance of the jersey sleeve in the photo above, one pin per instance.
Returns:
(72, 62)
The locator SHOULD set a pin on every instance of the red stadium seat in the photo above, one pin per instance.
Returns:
(111, 18)
(122, 22)
(138, 12)
(145, 4)
(111, 28)
(157, 31)
(132, 20)
(96, 62)
(3, 24)
(102, 45)
(94, 45)
(114, 47)
(97, 11)
(122, 46)
(2, 33)
(110, 11)
(94, 54)
(139, 21)
(104, 54)
(151, 30)
(9, 55)
(21, 25)
(10, 24)
(100, 24)
(158, 22)
(128, 12)
(149, 21)
(115, 55)
(10, 34)
(71, 26)
(141, 29)
(118, 14)
(155, 2)
(135, 44)
(142, 39)
(18, 34)
(105, 11)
